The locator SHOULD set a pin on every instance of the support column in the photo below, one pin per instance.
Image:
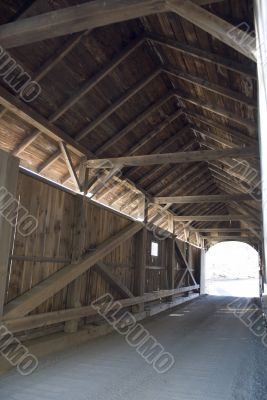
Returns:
(260, 7)
(74, 291)
(171, 263)
(140, 267)
(203, 272)
(9, 168)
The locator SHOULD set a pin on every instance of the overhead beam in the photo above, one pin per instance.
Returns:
(215, 198)
(52, 285)
(77, 18)
(163, 146)
(81, 17)
(235, 238)
(221, 230)
(216, 26)
(173, 158)
(145, 139)
(218, 218)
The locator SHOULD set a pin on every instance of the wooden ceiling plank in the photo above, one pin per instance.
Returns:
(81, 92)
(98, 77)
(136, 121)
(154, 132)
(49, 161)
(118, 103)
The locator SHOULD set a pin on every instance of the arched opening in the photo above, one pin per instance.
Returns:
(232, 269)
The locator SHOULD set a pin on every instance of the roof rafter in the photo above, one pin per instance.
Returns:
(95, 14)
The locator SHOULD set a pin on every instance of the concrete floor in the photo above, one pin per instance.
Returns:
(216, 357)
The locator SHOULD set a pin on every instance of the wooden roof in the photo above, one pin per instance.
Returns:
(155, 84)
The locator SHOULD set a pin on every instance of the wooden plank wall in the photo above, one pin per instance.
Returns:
(156, 269)
(54, 238)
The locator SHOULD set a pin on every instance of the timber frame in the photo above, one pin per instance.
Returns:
(148, 108)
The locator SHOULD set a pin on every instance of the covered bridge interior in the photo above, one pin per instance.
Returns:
(129, 144)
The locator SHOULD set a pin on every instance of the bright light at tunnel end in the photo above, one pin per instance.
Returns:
(232, 269)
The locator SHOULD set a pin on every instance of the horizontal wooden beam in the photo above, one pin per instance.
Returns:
(206, 218)
(212, 198)
(234, 238)
(81, 17)
(173, 158)
(77, 18)
(216, 26)
(50, 318)
(221, 230)
(52, 285)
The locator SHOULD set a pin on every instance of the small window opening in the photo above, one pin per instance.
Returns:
(154, 249)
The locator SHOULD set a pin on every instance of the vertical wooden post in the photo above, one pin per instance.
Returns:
(171, 263)
(9, 167)
(170, 223)
(260, 10)
(74, 291)
(140, 266)
(203, 272)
